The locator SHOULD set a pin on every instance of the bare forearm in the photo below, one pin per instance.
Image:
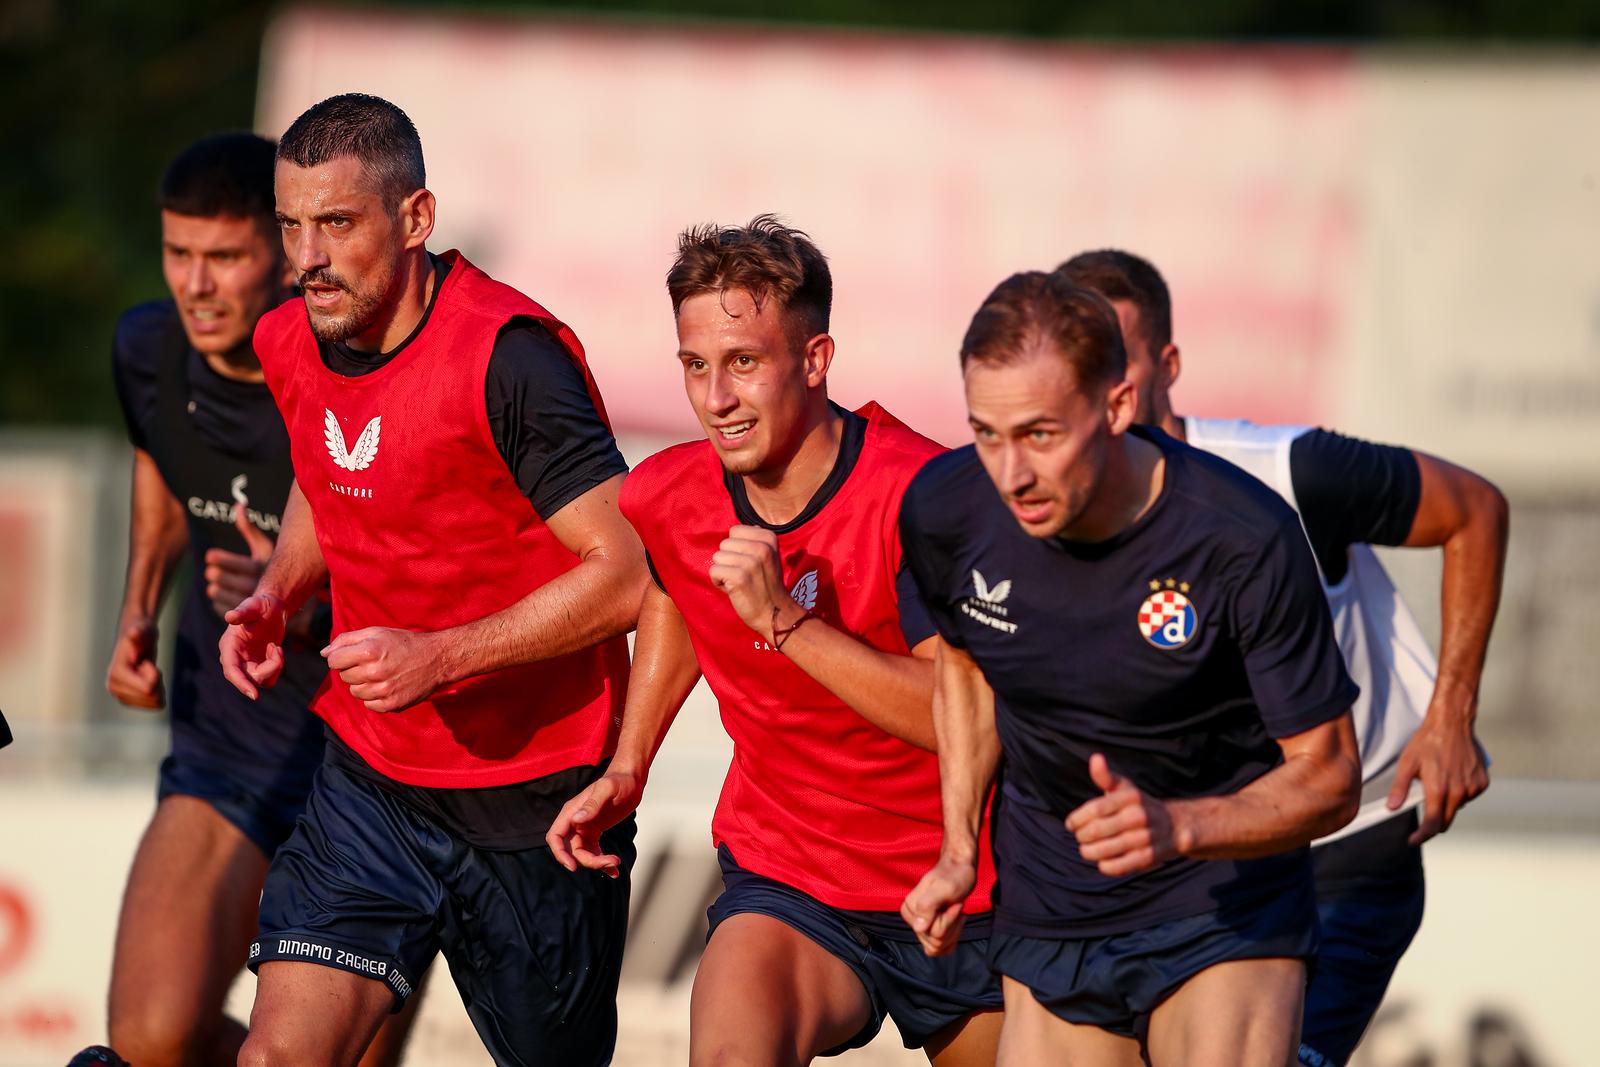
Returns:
(596, 600)
(893, 692)
(969, 749)
(664, 671)
(297, 568)
(1474, 567)
(1309, 795)
(157, 536)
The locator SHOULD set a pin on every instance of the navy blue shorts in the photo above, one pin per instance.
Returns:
(369, 885)
(922, 994)
(264, 814)
(1370, 894)
(1116, 982)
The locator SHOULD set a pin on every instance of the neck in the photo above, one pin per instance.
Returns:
(239, 364)
(1172, 423)
(1129, 485)
(780, 495)
(416, 289)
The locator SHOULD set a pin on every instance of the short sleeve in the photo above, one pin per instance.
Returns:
(1297, 674)
(915, 622)
(135, 372)
(922, 571)
(1352, 492)
(543, 420)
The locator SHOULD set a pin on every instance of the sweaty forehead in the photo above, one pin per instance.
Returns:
(1037, 386)
(343, 180)
(727, 317)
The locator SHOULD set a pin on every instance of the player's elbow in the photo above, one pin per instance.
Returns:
(1490, 508)
(1341, 792)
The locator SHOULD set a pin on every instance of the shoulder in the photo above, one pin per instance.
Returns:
(1226, 499)
(948, 489)
(525, 349)
(657, 484)
(896, 443)
(143, 333)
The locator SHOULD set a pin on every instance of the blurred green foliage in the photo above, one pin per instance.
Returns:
(99, 94)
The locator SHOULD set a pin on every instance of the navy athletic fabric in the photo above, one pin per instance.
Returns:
(1352, 492)
(1370, 897)
(1181, 648)
(923, 995)
(263, 811)
(1116, 982)
(370, 885)
(217, 443)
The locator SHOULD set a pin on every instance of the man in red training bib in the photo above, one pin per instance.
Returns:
(457, 480)
(776, 559)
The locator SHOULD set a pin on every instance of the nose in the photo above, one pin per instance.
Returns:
(305, 252)
(720, 396)
(1016, 473)
(199, 281)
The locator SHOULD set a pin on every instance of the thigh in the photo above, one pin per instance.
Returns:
(1033, 1034)
(1240, 1013)
(308, 1015)
(195, 883)
(536, 951)
(766, 993)
(970, 1042)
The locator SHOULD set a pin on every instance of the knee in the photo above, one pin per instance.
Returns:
(265, 1049)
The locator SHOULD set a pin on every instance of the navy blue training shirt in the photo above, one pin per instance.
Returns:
(1180, 649)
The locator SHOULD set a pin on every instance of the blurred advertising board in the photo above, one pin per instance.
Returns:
(1389, 242)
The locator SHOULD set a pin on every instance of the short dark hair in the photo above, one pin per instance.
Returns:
(224, 174)
(1119, 275)
(765, 258)
(1033, 308)
(367, 127)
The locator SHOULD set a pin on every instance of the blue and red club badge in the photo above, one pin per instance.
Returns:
(1167, 618)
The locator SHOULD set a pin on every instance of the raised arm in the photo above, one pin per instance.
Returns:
(1466, 515)
(252, 646)
(157, 535)
(892, 691)
(664, 671)
(391, 669)
(969, 756)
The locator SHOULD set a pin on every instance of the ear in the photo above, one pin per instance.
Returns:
(1169, 365)
(1122, 403)
(416, 217)
(818, 357)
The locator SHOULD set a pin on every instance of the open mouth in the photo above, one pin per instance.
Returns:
(206, 319)
(735, 432)
(322, 296)
(1031, 510)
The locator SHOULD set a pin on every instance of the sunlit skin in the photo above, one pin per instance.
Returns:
(1152, 372)
(761, 396)
(1059, 453)
(360, 260)
(224, 272)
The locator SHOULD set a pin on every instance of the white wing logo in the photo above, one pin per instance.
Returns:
(997, 595)
(805, 590)
(358, 458)
(236, 487)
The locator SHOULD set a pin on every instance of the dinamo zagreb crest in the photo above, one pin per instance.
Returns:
(1167, 618)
